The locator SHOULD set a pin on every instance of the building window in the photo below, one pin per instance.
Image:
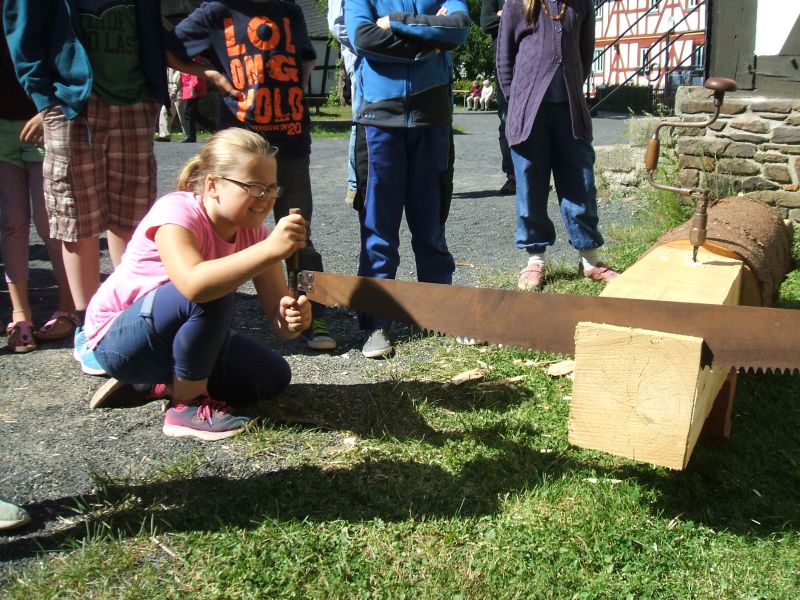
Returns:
(654, 5)
(599, 63)
(598, 8)
(698, 56)
(691, 3)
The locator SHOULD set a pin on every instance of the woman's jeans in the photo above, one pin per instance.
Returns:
(163, 334)
(552, 148)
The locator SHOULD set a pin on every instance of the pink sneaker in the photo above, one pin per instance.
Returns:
(600, 272)
(115, 393)
(203, 419)
(531, 278)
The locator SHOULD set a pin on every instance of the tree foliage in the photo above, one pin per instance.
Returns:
(474, 60)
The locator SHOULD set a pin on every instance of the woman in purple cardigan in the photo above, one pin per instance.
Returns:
(544, 53)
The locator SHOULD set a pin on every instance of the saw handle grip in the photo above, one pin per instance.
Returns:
(293, 263)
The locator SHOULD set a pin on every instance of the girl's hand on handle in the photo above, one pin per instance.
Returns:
(288, 236)
(296, 313)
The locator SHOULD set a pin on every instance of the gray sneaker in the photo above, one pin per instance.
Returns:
(377, 344)
(12, 516)
(204, 419)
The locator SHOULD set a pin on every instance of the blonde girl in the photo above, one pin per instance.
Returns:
(160, 324)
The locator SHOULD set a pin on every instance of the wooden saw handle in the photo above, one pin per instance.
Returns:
(293, 262)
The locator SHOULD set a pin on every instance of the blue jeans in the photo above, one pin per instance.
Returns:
(163, 333)
(407, 170)
(552, 148)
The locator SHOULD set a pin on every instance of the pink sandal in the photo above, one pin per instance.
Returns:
(20, 337)
(60, 325)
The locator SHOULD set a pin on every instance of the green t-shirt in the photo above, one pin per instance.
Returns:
(109, 34)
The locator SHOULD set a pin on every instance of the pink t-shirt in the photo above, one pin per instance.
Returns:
(141, 269)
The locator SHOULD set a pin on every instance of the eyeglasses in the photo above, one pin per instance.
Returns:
(256, 190)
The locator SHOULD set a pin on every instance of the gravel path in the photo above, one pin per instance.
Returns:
(51, 443)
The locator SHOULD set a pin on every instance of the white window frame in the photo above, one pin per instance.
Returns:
(598, 61)
(699, 57)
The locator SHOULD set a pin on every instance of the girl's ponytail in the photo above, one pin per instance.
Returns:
(187, 179)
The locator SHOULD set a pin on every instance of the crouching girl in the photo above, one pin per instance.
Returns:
(160, 324)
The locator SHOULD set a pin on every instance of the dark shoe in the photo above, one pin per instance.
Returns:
(318, 337)
(162, 138)
(203, 419)
(509, 188)
(377, 344)
(116, 393)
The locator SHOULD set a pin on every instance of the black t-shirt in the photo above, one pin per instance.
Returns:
(260, 47)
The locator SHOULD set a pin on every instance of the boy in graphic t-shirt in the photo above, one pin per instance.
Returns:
(266, 55)
(95, 70)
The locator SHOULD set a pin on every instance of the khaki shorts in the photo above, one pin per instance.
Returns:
(99, 168)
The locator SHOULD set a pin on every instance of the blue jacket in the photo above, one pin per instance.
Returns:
(52, 64)
(405, 75)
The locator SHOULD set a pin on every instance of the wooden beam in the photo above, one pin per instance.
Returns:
(644, 394)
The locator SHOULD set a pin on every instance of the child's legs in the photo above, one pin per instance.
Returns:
(573, 173)
(162, 335)
(15, 219)
(428, 152)
(295, 179)
(532, 163)
(74, 188)
(39, 212)
(247, 371)
(131, 169)
(351, 160)
(385, 171)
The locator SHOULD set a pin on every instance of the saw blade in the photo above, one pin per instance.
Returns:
(741, 337)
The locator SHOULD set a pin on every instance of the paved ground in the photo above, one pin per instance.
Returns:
(50, 443)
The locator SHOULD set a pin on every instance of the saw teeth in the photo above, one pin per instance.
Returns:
(753, 370)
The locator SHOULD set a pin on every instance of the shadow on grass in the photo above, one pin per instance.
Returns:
(750, 486)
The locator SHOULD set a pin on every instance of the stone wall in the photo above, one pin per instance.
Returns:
(753, 148)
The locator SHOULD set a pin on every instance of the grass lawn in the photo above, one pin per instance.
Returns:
(456, 491)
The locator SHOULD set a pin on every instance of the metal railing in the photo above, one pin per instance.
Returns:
(650, 67)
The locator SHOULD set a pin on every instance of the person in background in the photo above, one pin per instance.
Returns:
(192, 89)
(99, 103)
(473, 97)
(338, 31)
(544, 54)
(175, 109)
(491, 10)
(404, 110)
(487, 92)
(266, 55)
(22, 195)
(160, 325)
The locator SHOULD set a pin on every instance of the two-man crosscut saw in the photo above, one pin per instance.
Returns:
(742, 337)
